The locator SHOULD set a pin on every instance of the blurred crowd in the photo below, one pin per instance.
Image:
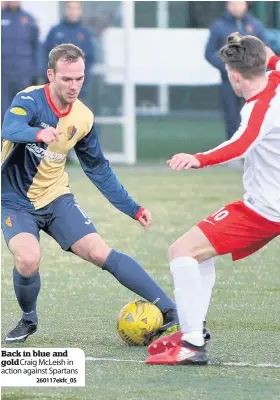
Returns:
(24, 59)
(19, 58)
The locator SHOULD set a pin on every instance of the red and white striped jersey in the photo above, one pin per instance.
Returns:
(257, 141)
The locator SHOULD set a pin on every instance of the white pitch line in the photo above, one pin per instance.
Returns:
(112, 359)
(243, 364)
(222, 364)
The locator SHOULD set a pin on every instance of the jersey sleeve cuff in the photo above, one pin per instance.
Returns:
(139, 213)
(201, 158)
(273, 61)
(37, 138)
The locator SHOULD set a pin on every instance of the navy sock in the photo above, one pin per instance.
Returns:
(133, 276)
(27, 290)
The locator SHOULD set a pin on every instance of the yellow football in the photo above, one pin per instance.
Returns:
(137, 321)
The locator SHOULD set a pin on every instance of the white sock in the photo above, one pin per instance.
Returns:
(208, 276)
(188, 296)
(194, 338)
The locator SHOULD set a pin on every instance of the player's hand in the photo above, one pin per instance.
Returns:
(48, 135)
(144, 217)
(183, 161)
(269, 53)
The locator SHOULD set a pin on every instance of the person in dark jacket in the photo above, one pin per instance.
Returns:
(236, 18)
(19, 41)
(72, 30)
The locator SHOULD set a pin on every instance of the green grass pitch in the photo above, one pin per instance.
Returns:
(79, 303)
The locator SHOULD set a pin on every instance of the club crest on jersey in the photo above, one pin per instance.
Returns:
(81, 36)
(24, 20)
(18, 111)
(71, 131)
(9, 221)
(249, 28)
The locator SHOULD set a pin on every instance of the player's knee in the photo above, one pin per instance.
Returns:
(175, 251)
(27, 263)
(170, 252)
(97, 258)
(98, 255)
(178, 250)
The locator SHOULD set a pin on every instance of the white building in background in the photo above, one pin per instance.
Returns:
(46, 13)
(159, 56)
(132, 57)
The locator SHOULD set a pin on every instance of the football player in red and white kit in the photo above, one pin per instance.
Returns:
(240, 228)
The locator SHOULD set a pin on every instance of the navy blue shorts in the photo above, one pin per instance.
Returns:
(63, 219)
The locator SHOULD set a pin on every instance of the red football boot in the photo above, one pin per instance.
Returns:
(181, 354)
(165, 343)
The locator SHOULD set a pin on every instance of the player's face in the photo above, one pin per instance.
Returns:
(237, 8)
(13, 4)
(73, 11)
(67, 80)
(235, 81)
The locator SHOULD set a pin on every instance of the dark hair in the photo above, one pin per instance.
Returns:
(245, 54)
(66, 51)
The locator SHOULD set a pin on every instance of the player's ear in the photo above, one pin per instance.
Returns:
(235, 75)
(50, 74)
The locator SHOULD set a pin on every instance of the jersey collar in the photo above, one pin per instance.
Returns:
(52, 106)
(258, 95)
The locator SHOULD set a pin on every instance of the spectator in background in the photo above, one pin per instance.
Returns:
(273, 39)
(19, 41)
(72, 30)
(236, 18)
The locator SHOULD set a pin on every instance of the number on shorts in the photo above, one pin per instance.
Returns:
(84, 214)
(220, 214)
